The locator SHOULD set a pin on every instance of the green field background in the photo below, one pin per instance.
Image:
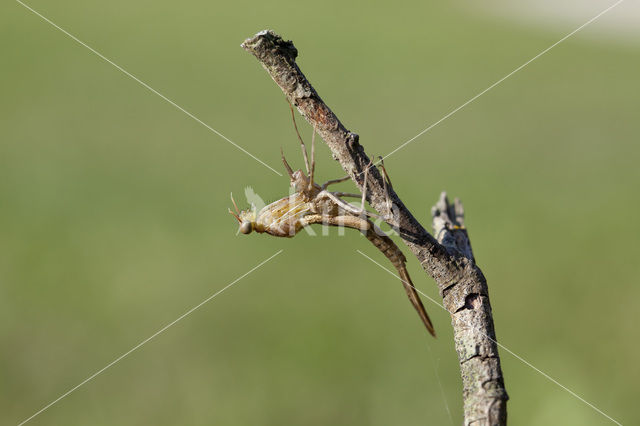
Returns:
(113, 215)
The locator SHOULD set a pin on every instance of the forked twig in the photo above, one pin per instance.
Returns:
(447, 259)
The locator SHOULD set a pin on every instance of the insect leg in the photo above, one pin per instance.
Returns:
(313, 158)
(333, 196)
(364, 186)
(302, 145)
(334, 181)
(384, 172)
(386, 182)
(346, 221)
(346, 194)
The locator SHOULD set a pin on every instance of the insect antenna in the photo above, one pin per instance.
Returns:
(236, 216)
(237, 213)
(286, 165)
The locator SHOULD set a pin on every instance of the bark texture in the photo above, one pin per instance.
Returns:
(447, 257)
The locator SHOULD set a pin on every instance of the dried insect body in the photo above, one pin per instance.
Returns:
(311, 203)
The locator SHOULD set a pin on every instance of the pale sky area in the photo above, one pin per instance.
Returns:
(621, 24)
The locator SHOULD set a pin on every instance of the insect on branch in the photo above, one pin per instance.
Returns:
(446, 259)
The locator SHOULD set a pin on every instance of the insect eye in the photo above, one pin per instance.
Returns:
(246, 228)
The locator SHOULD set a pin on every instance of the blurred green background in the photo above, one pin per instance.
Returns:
(113, 214)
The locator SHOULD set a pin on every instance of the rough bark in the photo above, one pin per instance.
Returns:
(447, 258)
(484, 395)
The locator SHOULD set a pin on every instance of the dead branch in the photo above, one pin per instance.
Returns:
(447, 258)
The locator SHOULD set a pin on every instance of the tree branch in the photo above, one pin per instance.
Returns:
(448, 259)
